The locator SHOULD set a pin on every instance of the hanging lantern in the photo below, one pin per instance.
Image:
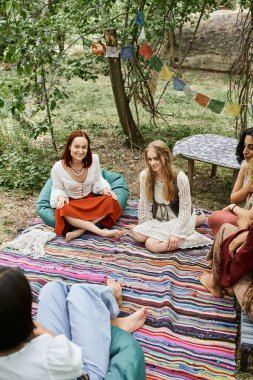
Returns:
(97, 48)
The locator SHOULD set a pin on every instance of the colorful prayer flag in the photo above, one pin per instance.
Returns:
(189, 92)
(232, 109)
(155, 63)
(139, 18)
(202, 100)
(127, 52)
(142, 36)
(166, 74)
(216, 106)
(112, 52)
(146, 51)
(178, 84)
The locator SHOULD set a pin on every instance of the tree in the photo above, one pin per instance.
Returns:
(34, 44)
(241, 76)
(40, 34)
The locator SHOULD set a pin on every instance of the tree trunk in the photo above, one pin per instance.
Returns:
(172, 47)
(127, 122)
(180, 40)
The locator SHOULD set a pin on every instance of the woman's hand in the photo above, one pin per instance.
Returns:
(173, 243)
(244, 222)
(229, 207)
(237, 242)
(107, 191)
(39, 329)
(60, 201)
(237, 210)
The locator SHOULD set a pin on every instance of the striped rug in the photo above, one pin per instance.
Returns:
(188, 333)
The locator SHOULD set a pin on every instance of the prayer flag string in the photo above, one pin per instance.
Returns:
(155, 63)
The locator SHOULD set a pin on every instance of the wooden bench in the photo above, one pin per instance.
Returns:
(214, 149)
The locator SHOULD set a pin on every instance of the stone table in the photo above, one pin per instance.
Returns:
(214, 149)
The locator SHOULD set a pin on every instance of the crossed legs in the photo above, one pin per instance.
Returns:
(153, 245)
(89, 225)
(211, 280)
(83, 313)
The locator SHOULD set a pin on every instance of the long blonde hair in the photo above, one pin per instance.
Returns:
(169, 171)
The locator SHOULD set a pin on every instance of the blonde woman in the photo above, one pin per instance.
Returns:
(166, 216)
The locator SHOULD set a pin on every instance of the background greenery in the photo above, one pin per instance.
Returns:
(25, 163)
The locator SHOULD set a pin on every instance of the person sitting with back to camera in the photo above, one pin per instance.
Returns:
(243, 188)
(167, 218)
(80, 195)
(232, 263)
(72, 335)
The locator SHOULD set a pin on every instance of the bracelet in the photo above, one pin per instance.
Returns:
(232, 209)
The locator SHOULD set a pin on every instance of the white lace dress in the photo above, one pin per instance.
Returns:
(182, 225)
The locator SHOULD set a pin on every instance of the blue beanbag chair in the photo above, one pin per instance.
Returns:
(116, 180)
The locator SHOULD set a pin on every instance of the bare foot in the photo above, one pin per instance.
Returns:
(116, 289)
(207, 281)
(130, 226)
(133, 322)
(74, 234)
(111, 233)
(200, 219)
(230, 292)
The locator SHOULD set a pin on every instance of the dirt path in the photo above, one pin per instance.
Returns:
(16, 212)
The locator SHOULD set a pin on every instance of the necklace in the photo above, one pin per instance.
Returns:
(77, 173)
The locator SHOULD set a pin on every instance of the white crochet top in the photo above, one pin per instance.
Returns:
(65, 185)
(182, 225)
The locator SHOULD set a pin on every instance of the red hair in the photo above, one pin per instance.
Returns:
(66, 157)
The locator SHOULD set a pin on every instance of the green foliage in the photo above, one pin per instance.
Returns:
(23, 171)
(245, 4)
(81, 67)
(90, 106)
(37, 36)
(23, 165)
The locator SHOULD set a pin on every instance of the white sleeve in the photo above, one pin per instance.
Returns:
(180, 225)
(64, 358)
(99, 183)
(144, 207)
(57, 187)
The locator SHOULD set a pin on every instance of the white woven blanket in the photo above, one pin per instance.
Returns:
(32, 240)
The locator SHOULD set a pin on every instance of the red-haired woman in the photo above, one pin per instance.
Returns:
(80, 195)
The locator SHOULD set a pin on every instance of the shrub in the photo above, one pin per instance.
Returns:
(23, 171)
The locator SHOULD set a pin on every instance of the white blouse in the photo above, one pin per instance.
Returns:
(44, 357)
(65, 185)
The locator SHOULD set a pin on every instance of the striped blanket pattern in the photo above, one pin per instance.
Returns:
(188, 333)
